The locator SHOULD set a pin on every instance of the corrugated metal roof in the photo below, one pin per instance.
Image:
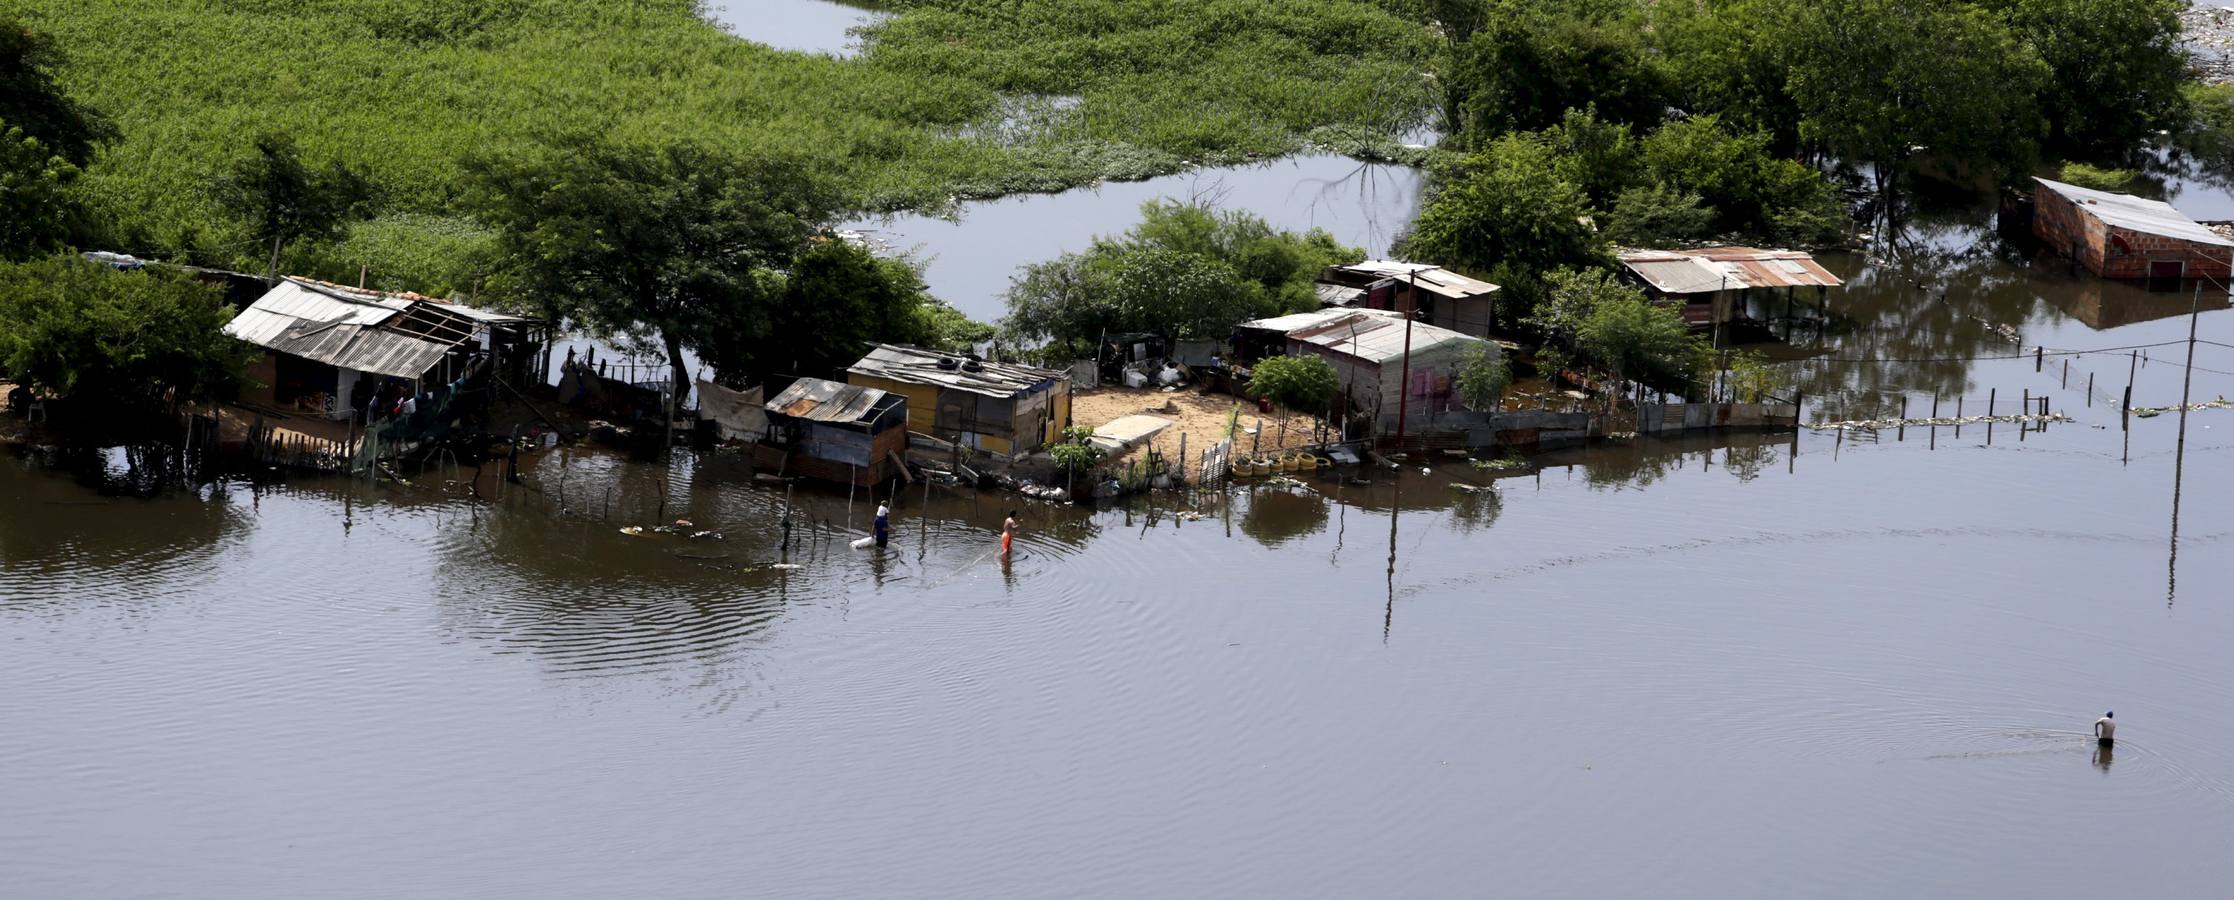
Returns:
(1430, 278)
(1297, 321)
(915, 365)
(2136, 213)
(817, 400)
(1710, 269)
(344, 327)
(1338, 295)
(359, 347)
(1375, 338)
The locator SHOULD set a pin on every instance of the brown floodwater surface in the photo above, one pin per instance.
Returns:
(1743, 664)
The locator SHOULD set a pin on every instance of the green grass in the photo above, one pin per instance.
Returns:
(952, 99)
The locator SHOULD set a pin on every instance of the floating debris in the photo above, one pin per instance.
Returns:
(705, 535)
(1928, 421)
(633, 530)
(1282, 481)
(2150, 412)
(1501, 464)
(1475, 488)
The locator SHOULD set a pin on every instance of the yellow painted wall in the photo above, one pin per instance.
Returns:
(923, 400)
(1061, 418)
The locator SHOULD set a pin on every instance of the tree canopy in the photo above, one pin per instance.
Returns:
(1301, 383)
(284, 199)
(1187, 270)
(677, 243)
(135, 339)
(838, 298)
(31, 99)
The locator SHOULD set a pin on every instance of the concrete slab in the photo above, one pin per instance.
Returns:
(1128, 432)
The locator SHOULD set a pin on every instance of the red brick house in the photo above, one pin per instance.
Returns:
(2124, 236)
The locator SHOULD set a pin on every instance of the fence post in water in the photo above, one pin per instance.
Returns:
(1992, 395)
(1900, 432)
(1958, 417)
(2039, 355)
(2066, 373)
(2090, 390)
(1934, 445)
(2024, 408)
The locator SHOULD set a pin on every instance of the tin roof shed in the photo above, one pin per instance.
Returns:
(1710, 269)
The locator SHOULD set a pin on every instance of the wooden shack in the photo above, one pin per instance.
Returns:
(1436, 295)
(2124, 236)
(832, 431)
(1368, 350)
(1717, 286)
(996, 407)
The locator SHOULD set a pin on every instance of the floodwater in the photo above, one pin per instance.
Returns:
(1751, 664)
(808, 26)
(1816, 667)
(969, 260)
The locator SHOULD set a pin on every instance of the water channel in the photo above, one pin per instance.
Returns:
(1752, 664)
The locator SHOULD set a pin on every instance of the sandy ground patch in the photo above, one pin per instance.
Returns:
(1201, 417)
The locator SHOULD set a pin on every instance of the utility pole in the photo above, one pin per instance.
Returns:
(1404, 390)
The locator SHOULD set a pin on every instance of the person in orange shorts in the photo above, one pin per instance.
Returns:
(1008, 533)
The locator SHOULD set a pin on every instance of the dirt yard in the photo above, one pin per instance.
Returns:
(1201, 417)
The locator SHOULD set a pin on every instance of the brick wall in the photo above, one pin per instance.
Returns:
(2069, 230)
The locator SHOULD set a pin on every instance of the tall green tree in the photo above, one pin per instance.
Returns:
(1733, 59)
(139, 340)
(1527, 62)
(1755, 191)
(31, 99)
(1506, 213)
(38, 210)
(2115, 67)
(283, 199)
(673, 242)
(1895, 84)
(838, 297)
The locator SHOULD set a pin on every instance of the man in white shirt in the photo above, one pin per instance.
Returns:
(2106, 729)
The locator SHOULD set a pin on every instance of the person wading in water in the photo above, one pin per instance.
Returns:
(1008, 534)
(2106, 729)
(884, 524)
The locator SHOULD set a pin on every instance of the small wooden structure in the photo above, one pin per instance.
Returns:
(2124, 236)
(1367, 349)
(1717, 286)
(832, 431)
(1001, 408)
(1439, 296)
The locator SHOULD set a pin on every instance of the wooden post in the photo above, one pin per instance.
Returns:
(2067, 373)
(1900, 432)
(1958, 417)
(2039, 354)
(2090, 390)
(1992, 395)
(2024, 408)
(1934, 445)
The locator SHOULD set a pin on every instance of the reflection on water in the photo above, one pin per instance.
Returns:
(1896, 641)
(808, 26)
(971, 260)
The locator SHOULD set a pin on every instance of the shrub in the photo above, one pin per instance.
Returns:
(1301, 383)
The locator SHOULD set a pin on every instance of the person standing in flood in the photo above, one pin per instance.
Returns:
(2106, 729)
(1008, 534)
(884, 524)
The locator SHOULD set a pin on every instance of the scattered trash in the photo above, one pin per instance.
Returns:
(705, 535)
(1475, 488)
(1501, 464)
(1883, 424)
(633, 530)
(2146, 412)
(1283, 481)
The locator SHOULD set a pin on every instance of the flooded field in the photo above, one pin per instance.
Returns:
(1837, 664)
(808, 26)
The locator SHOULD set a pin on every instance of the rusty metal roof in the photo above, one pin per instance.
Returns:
(1709, 269)
(1374, 337)
(369, 331)
(817, 400)
(915, 365)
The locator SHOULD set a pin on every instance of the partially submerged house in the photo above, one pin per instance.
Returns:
(1368, 351)
(1717, 286)
(2124, 236)
(834, 431)
(1001, 408)
(329, 349)
(1442, 298)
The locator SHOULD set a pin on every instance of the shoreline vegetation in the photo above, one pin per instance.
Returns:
(952, 100)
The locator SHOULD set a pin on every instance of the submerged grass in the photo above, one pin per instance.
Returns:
(929, 114)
